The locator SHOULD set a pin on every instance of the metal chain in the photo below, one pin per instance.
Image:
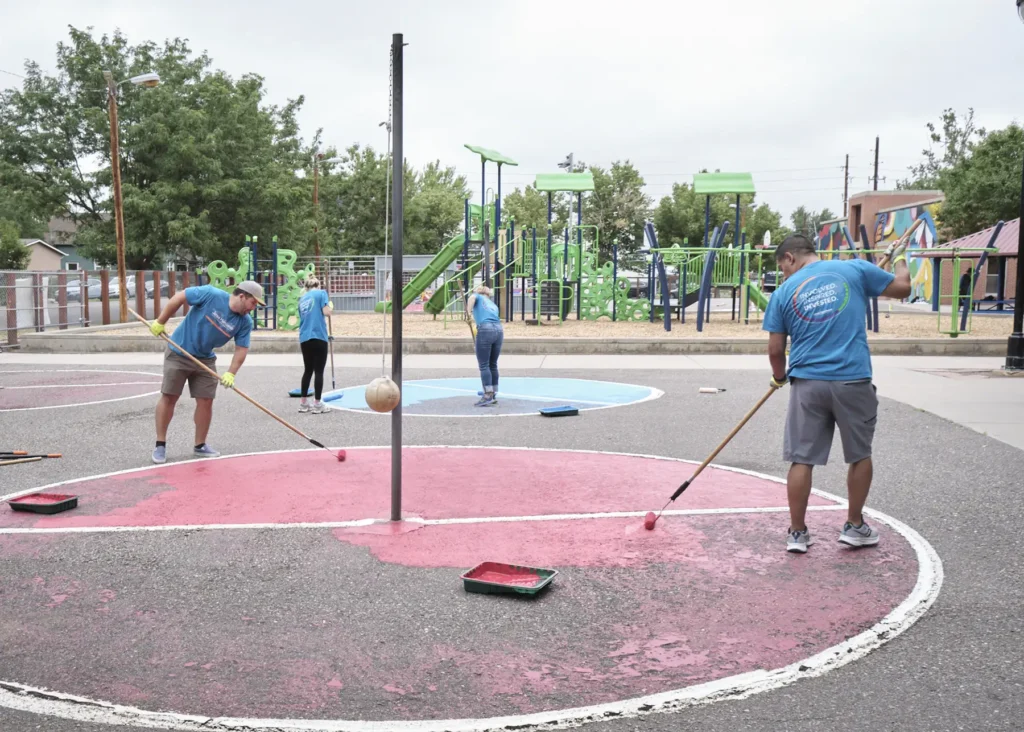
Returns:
(387, 213)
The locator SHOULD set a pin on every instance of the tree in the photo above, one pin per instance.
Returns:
(619, 207)
(807, 222)
(26, 214)
(436, 210)
(13, 254)
(529, 209)
(204, 161)
(679, 217)
(955, 142)
(985, 186)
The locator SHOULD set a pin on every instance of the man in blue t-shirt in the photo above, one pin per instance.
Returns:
(214, 317)
(821, 307)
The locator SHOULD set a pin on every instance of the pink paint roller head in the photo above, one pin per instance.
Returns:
(649, 520)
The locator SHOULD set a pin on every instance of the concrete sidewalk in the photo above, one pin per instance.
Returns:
(964, 390)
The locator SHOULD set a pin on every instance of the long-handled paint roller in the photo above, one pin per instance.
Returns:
(340, 454)
(20, 460)
(330, 341)
(884, 259)
(650, 519)
(22, 453)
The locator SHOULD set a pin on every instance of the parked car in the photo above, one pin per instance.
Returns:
(94, 291)
(115, 286)
(164, 288)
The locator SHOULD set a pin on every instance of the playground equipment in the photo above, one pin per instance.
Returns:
(961, 303)
(277, 274)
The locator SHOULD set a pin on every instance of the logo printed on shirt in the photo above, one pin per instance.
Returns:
(220, 323)
(821, 298)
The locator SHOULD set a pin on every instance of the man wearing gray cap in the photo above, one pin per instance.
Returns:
(214, 317)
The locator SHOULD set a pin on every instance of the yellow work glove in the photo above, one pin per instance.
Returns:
(228, 380)
(778, 384)
(156, 328)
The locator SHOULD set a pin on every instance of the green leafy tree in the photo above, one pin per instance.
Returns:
(954, 143)
(807, 222)
(204, 161)
(679, 217)
(436, 210)
(619, 207)
(529, 209)
(13, 254)
(984, 187)
(25, 213)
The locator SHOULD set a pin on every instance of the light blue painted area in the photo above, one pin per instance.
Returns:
(516, 395)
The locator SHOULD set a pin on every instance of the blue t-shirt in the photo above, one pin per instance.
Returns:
(210, 322)
(823, 309)
(484, 310)
(311, 316)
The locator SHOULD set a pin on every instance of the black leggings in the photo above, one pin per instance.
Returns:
(314, 357)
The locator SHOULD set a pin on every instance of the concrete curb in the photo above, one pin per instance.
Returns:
(79, 342)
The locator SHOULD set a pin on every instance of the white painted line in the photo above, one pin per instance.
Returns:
(10, 530)
(72, 386)
(509, 395)
(489, 412)
(741, 686)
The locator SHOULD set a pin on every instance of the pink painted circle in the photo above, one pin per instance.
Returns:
(48, 389)
(384, 629)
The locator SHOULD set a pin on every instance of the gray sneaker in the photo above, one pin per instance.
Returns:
(798, 541)
(862, 535)
(205, 451)
(160, 455)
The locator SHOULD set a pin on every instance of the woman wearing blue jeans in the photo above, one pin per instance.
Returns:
(489, 337)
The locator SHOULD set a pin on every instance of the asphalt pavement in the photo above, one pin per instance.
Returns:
(960, 667)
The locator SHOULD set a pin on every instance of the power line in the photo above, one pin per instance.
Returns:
(5, 71)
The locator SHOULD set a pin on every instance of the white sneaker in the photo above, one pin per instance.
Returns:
(303, 406)
(862, 535)
(798, 541)
(320, 408)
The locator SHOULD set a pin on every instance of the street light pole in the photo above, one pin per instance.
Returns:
(115, 169)
(1015, 344)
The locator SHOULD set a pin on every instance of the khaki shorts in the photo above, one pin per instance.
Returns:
(178, 370)
(816, 407)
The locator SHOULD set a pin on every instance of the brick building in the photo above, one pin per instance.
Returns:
(996, 286)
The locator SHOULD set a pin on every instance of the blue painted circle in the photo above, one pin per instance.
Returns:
(516, 396)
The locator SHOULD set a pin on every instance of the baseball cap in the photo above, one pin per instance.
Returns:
(252, 288)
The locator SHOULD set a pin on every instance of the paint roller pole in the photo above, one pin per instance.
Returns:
(397, 213)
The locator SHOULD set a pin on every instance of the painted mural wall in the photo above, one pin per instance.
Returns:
(893, 224)
(830, 237)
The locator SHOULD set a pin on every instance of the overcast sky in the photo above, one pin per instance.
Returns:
(780, 88)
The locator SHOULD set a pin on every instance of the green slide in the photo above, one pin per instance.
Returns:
(757, 297)
(434, 269)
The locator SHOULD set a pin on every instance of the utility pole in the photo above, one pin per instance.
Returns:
(876, 163)
(846, 184)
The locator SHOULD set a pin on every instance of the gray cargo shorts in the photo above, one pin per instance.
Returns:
(816, 407)
(178, 370)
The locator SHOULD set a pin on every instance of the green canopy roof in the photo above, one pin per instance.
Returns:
(492, 155)
(573, 182)
(711, 183)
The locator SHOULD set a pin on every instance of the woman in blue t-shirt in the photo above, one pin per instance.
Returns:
(313, 335)
(489, 337)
